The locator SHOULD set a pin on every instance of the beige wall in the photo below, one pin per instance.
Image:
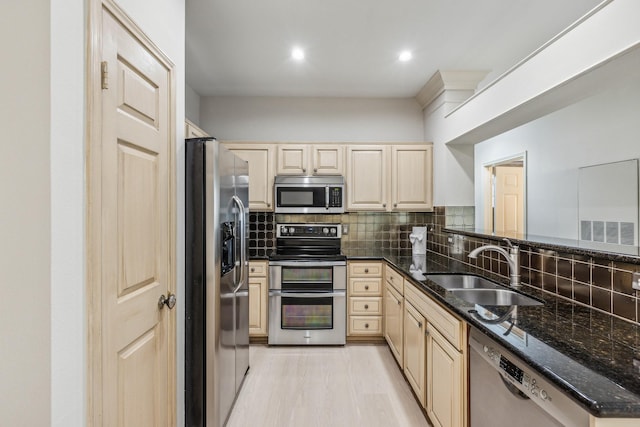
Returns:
(25, 228)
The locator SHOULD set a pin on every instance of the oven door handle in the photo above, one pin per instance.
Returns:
(334, 294)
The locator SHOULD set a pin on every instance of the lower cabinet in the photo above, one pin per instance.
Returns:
(394, 321)
(258, 298)
(364, 291)
(414, 351)
(444, 381)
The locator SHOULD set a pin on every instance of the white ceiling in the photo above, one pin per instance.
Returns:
(242, 47)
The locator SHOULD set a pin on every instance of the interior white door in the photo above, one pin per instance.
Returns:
(509, 193)
(136, 226)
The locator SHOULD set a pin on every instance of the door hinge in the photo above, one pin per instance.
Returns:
(104, 74)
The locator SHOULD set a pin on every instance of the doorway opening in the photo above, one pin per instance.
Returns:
(504, 194)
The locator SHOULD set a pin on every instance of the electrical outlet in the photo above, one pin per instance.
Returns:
(345, 228)
(635, 284)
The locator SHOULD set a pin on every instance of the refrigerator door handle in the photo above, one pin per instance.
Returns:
(243, 243)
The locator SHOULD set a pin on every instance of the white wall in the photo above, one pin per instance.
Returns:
(452, 164)
(600, 129)
(192, 105)
(312, 119)
(68, 290)
(25, 216)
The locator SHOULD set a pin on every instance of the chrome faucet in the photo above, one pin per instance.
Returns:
(512, 257)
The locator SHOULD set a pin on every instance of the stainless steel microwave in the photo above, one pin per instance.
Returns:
(309, 194)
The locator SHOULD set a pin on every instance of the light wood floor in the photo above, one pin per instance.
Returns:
(355, 385)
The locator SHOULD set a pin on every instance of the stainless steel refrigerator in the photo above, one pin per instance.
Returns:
(216, 286)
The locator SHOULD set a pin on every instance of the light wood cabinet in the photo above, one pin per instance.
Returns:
(414, 351)
(310, 159)
(412, 177)
(393, 322)
(258, 298)
(193, 131)
(390, 177)
(261, 172)
(367, 177)
(365, 299)
(445, 386)
(444, 343)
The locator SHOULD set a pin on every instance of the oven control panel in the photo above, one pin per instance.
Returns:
(309, 230)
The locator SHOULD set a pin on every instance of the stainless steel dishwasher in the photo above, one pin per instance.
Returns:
(506, 392)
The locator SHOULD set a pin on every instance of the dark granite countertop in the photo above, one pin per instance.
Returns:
(593, 357)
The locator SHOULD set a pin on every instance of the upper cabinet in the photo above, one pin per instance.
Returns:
(261, 172)
(367, 177)
(390, 177)
(193, 131)
(310, 159)
(379, 177)
(412, 177)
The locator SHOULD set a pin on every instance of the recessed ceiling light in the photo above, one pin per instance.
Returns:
(297, 54)
(405, 56)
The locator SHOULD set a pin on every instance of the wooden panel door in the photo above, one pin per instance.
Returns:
(328, 159)
(445, 391)
(412, 177)
(293, 159)
(367, 177)
(414, 350)
(509, 194)
(258, 306)
(136, 226)
(261, 173)
(393, 320)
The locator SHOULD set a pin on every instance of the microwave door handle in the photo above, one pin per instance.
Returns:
(326, 197)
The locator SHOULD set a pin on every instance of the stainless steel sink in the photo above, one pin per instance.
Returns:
(494, 297)
(461, 281)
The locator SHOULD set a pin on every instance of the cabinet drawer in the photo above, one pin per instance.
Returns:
(258, 268)
(365, 325)
(365, 269)
(394, 278)
(446, 323)
(365, 305)
(365, 287)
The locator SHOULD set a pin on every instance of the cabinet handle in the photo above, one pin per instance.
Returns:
(366, 270)
(366, 287)
(315, 169)
(366, 325)
(399, 303)
(395, 205)
(304, 170)
(366, 306)
(426, 333)
(384, 205)
(268, 205)
(253, 270)
(420, 325)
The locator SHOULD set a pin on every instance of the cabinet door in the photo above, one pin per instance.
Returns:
(293, 159)
(367, 177)
(412, 177)
(257, 306)
(444, 381)
(261, 168)
(393, 312)
(414, 350)
(328, 159)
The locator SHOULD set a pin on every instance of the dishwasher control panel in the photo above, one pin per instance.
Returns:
(526, 382)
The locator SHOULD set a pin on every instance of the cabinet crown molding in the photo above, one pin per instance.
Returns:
(445, 80)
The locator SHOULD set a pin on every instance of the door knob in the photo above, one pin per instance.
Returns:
(169, 301)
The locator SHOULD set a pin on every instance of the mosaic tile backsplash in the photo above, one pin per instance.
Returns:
(588, 280)
(366, 230)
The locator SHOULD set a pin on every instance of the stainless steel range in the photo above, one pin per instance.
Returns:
(308, 286)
